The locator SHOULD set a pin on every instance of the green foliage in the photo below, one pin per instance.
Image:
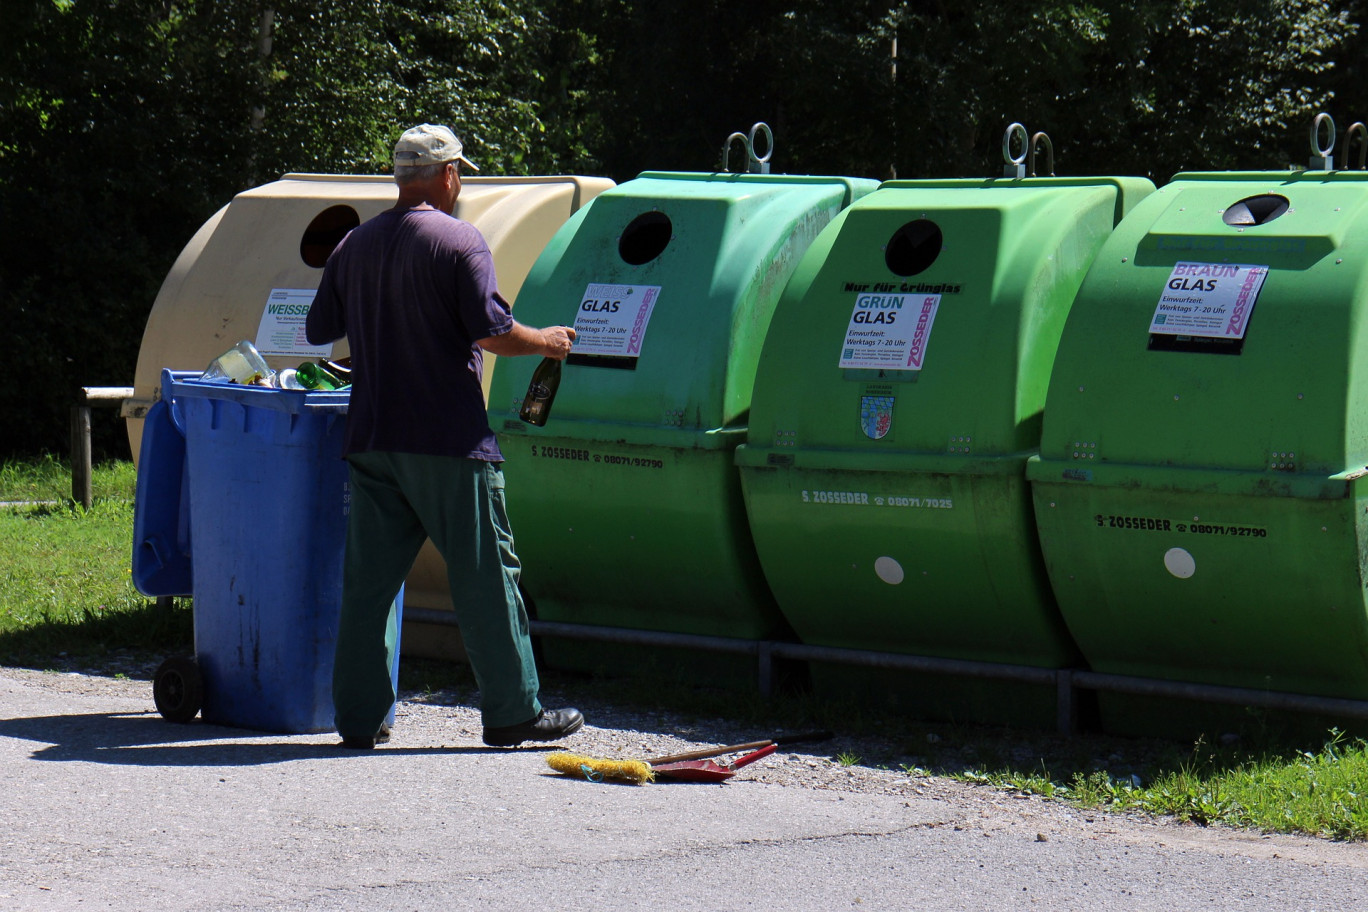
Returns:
(103, 176)
(1148, 88)
(387, 67)
(1145, 88)
(126, 125)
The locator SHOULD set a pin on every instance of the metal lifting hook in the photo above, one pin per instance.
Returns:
(1322, 156)
(1024, 165)
(755, 164)
(1361, 131)
(1015, 165)
(1036, 140)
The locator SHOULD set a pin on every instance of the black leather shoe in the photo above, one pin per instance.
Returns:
(366, 743)
(551, 725)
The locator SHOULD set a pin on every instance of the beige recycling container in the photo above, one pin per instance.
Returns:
(251, 270)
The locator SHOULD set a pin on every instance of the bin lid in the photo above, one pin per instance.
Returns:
(1217, 331)
(670, 280)
(924, 321)
(162, 563)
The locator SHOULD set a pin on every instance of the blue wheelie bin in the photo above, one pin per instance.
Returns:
(242, 501)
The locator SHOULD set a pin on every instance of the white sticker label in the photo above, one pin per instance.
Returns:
(1208, 299)
(281, 331)
(612, 319)
(889, 331)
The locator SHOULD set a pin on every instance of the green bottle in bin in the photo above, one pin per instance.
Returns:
(317, 377)
(541, 392)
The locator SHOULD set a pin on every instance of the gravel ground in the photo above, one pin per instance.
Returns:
(448, 717)
(865, 764)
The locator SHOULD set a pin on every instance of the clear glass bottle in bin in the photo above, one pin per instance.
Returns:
(240, 364)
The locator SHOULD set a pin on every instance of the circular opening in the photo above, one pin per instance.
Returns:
(325, 232)
(645, 238)
(913, 247)
(1255, 210)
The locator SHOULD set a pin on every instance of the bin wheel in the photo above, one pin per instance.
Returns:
(178, 689)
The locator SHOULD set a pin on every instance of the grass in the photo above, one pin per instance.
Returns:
(48, 480)
(65, 589)
(1316, 792)
(67, 601)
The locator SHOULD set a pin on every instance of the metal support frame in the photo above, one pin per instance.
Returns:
(1066, 681)
(105, 396)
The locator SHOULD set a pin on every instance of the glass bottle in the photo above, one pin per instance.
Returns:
(541, 392)
(316, 377)
(341, 369)
(240, 364)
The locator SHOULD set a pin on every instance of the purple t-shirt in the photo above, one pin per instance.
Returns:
(412, 290)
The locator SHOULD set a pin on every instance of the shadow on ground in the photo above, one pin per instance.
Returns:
(145, 739)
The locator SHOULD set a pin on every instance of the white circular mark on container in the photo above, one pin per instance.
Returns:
(1180, 563)
(889, 570)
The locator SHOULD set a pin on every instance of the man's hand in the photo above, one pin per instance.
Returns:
(556, 341)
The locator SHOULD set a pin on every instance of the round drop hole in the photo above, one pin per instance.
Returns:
(913, 247)
(645, 238)
(325, 232)
(1255, 210)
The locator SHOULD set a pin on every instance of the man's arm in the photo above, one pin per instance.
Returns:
(326, 320)
(551, 342)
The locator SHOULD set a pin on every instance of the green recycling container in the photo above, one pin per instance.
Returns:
(627, 505)
(897, 399)
(1200, 486)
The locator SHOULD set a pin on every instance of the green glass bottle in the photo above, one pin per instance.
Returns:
(541, 392)
(316, 377)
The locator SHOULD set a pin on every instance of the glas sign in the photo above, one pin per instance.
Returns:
(611, 320)
(1212, 300)
(889, 331)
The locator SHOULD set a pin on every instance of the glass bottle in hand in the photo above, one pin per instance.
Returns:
(541, 392)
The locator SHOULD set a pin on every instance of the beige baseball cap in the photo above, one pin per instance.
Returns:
(427, 144)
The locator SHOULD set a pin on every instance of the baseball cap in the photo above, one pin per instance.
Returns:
(427, 144)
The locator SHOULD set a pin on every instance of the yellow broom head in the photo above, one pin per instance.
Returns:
(595, 770)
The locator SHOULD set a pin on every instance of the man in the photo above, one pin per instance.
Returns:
(414, 292)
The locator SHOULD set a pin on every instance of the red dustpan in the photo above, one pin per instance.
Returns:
(708, 770)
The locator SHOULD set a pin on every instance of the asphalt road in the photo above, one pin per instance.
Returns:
(104, 806)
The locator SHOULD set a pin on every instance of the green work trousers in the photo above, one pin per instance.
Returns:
(398, 500)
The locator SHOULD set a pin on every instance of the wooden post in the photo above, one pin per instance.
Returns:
(82, 490)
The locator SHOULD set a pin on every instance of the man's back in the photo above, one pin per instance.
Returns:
(413, 289)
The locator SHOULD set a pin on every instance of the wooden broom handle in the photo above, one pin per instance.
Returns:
(709, 752)
(750, 745)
